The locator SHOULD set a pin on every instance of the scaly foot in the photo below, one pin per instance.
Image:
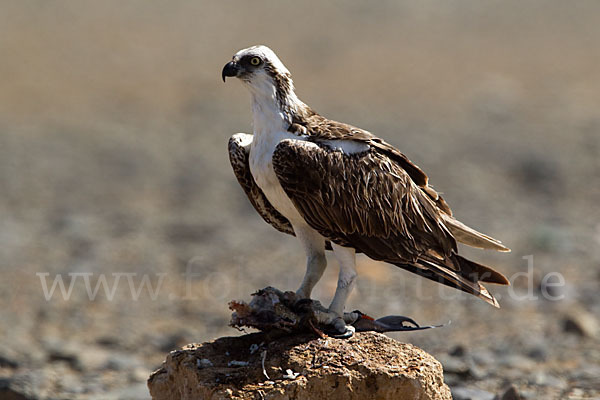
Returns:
(339, 326)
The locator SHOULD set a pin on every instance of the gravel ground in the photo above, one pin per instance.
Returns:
(113, 165)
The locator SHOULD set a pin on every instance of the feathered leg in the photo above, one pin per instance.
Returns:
(335, 316)
(314, 246)
(316, 262)
(346, 279)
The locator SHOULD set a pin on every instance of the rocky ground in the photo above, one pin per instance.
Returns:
(113, 170)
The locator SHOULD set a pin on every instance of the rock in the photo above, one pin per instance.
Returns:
(458, 351)
(464, 393)
(136, 391)
(455, 366)
(581, 323)
(21, 387)
(586, 375)
(461, 369)
(510, 393)
(59, 350)
(122, 362)
(541, 378)
(517, 361)
(94, 358)
(8, 357)
(9, 392)
(483, 357)
(538, 353)
(300, 366)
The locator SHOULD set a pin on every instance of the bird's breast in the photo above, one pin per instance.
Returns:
(261, 167)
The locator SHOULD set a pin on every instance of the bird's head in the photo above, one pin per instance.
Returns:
(259, 68)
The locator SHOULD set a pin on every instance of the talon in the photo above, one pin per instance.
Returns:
(336, 326)
(348, 333)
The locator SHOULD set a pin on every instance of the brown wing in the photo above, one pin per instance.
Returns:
(319, 128)
(239, 150)
(370, 202)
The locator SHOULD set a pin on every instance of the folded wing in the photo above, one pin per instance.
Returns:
(239, 152)
(370, 202)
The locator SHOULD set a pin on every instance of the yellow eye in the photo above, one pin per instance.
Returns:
(255, 61)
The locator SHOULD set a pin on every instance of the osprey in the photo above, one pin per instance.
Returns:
(338, 187)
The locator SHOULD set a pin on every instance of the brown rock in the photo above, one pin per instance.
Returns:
(582, 323)
(368, 365)
(511, 393)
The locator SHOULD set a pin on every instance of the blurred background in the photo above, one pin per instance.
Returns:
(114, 125)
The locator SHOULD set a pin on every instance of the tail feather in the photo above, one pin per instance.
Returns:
(470, 236)
(455, 279)
(480, 272)
(432, 269)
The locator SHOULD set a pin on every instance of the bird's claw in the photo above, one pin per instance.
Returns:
(336, 326)
(345, 332)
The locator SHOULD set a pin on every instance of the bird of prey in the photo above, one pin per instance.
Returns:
(338, 187)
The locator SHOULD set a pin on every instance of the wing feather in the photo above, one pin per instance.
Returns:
(370, 202)
(320, 128)
(239, 151)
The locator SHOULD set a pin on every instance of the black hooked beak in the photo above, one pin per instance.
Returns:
(230, 69)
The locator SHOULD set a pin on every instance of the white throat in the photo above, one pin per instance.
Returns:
(269, 114)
